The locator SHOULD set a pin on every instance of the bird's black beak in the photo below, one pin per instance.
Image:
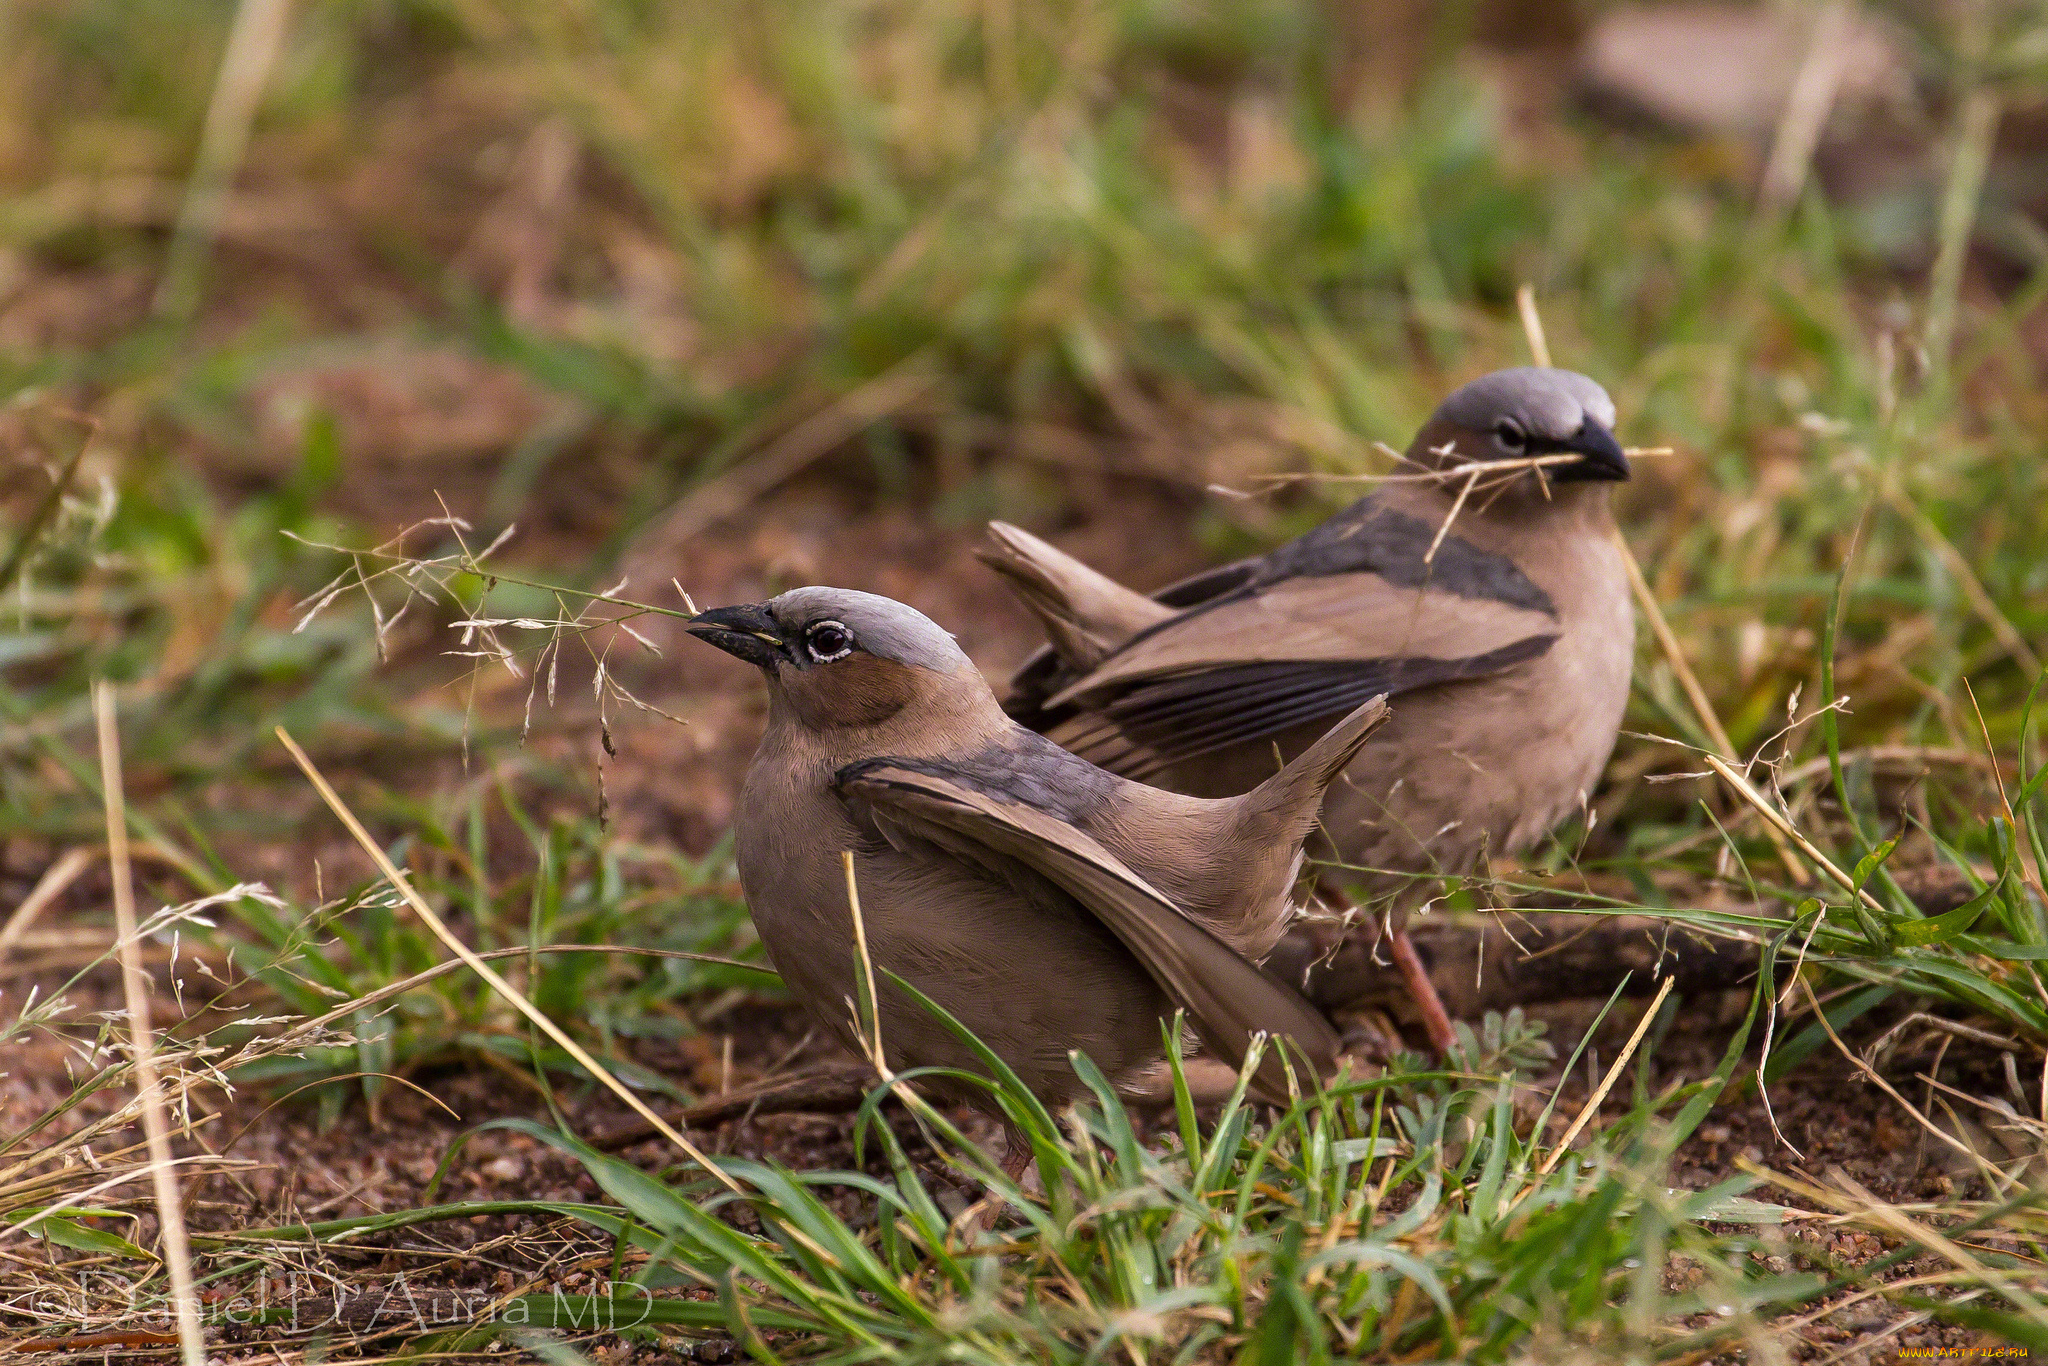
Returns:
(1601, 460)
(745, 632)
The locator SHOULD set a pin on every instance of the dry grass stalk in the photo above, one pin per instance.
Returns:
(142, 1038)
(867, 964)
(51, 885)
(1593, 1102)
(1966, 579)
(1807, 105)
(306, 1029)
(53, 498)
(1509, 467)
(1873, 1075)
(1775, 820)
(252, 47)
(489, 974)
(871, 1041)
(1532, 324)
(424, 579)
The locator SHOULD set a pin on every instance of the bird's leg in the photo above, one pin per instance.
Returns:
(1415, 976)
(1436, 1021)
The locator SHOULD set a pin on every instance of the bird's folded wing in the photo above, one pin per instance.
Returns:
(1260, 661)
(1227, 998)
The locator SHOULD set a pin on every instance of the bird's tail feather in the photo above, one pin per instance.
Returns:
(1291, 798)
(1085, 614)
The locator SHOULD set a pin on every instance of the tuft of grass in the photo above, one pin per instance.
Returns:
(1416, 1214)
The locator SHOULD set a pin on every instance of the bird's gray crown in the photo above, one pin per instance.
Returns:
(1547, 404)
(881, 626)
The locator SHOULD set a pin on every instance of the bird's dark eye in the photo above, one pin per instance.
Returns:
(827, 641)
(1510, 435)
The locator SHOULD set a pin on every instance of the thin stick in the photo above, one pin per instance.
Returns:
(1747, 791)
(156, 1125)
(486, 971)
(1592, 1106)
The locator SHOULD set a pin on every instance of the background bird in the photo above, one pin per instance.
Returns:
(1047, 904)
(1490, 604)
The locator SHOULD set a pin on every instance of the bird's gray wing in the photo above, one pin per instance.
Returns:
(1228, 999)
(1271, 657)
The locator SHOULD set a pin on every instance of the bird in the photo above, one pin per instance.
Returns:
(1483, 591)
(1046, 904)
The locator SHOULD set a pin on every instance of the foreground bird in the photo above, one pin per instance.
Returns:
(1046, 904)
(1491, 605)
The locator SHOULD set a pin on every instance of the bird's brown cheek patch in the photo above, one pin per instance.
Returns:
(860, 690)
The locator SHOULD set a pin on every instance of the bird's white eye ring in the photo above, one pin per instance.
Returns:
(828, 640)
(1510, 435)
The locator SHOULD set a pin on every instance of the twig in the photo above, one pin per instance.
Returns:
(252, 46)
(489, 974)
(138, 1337)
(136, 985)
(1592, 1106)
